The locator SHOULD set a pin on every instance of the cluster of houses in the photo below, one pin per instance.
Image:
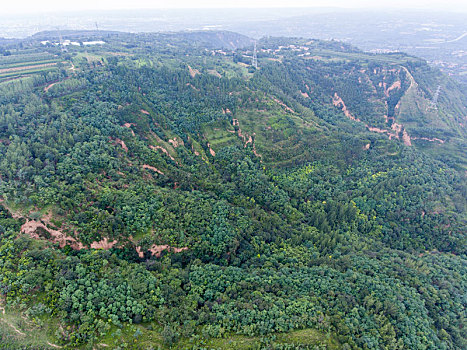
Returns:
(74, 43)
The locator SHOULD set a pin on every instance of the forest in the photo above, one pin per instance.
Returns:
(160, 192)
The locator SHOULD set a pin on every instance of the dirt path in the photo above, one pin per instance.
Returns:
(8, 323)
(413, 83)
(12, 326)
(54, 345)
(49, 86)
(20, 332)
(454, 40)
(46, 88)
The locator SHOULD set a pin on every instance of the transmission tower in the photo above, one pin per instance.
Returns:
(61, 40)
(254, 62)
(434, 100)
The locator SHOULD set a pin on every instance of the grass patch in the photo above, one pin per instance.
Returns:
(18, 331)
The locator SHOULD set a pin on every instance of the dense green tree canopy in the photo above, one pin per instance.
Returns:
(159, 186)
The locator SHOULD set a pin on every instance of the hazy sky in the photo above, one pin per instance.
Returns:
(28, 6)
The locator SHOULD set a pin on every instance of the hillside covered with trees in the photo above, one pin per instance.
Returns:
(158, 191)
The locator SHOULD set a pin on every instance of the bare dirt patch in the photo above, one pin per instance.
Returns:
(103, 244)
(434, 139)
(129, 125)
(37, 229)
(155, 148)
(193, 72)
(192, 86)
(287, 108)
(157, 250)
(122, 143)
(215, 73)
(395, 85)
(406, 138)
(338, 102)
(247, 139)
(146, 166)
(176, 142)
(397, 128)
(33, 227)
(211, 150)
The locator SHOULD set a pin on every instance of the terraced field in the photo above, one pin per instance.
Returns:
(17, 66)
